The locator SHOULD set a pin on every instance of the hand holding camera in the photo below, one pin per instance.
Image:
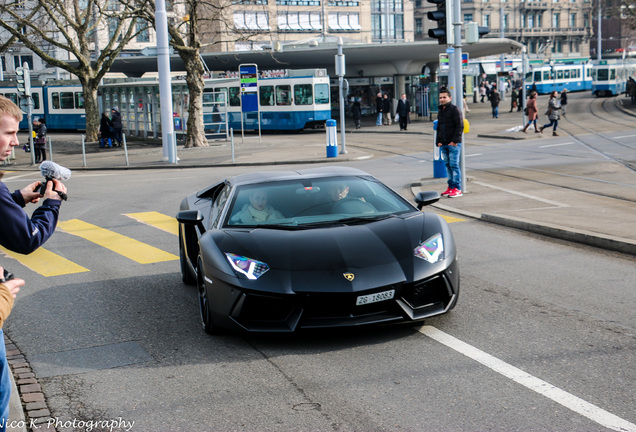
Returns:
(11, 282)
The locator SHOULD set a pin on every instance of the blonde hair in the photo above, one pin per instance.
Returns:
(9, 108)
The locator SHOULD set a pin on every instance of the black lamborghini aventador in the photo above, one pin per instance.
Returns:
(325, 247)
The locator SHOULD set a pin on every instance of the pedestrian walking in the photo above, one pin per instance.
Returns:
(450, 126)
(514, 99)
(482, 91)
(117, 126)
(554, 106)
(564, 100)
(40, 141)
(356, 112)
(532, 112)
(379, 103)
(403, 110)
(386, 109)
(495, 98)
(106, 131)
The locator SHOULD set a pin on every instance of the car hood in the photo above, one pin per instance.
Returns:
(377, 254)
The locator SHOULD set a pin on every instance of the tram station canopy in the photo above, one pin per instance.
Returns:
(361, 59)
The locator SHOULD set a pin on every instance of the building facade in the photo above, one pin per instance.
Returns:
(549, 28)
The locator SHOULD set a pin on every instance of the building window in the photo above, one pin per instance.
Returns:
(246, 20)
(586, 20)
(143, 35)
(572, 20)
(20, 60)
(468, 17)
(295, 2)
(530, 20)
(343, 3)
(339, 21)
(555, 20)
(485, 20)
(419, 28)
(505, 21)
(383, 11)
(299, 21)
(112, 28)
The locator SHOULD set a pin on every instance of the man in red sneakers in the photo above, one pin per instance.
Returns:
(450, 126)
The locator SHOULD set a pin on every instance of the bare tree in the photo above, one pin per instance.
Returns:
(202, 20)
(69, 25)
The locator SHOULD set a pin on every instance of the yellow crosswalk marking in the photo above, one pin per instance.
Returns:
(157, 220)
(451, 219)
(46, 263)
(130, 248)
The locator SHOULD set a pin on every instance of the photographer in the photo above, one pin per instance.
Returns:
(18, 232)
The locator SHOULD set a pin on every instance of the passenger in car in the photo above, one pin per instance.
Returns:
(257, 210)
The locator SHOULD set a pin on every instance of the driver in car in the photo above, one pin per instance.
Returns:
(257, 210)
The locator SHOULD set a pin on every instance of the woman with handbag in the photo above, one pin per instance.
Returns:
(554, 106)
(40, 141)
(532, 112)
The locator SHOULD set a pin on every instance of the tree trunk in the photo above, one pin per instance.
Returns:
(92, 110)
(194, 78)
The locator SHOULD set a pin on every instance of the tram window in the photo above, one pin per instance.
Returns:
(66, 100)
(208, 97)
(79, 100)
(283, 95)
(613, 74)
(55, 100)
(321, 92)
(602, 74)
(12, 97)
(567, 74)
(546, 75)
(537, 76)
(235, 99)
(303, 94)
(36, 100)
(221, 94)
(266, 95)
(560, 74)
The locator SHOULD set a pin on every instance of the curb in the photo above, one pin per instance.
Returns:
(28, 409)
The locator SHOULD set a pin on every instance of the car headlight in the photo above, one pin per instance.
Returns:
(250, 268)
(431, 250)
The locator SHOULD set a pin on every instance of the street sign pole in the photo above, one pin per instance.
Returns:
(459, 88)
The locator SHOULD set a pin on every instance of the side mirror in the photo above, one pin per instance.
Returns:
(426, 198)
(191, 217)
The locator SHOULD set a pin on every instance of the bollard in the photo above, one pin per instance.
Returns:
(332, 140)
(439, 167)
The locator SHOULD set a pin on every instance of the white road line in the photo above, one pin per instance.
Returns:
(557, 145)
(521, 194)
(625, 136)
(474, 154)
(574, 403)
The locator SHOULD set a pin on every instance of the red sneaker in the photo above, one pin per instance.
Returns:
(447, 191)
(455, 193)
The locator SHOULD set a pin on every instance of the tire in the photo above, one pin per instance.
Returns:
(204, 302)
(186, 274)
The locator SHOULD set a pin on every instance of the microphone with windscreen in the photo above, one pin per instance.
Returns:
(52, 171)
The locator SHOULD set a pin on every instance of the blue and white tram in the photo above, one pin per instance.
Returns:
(285, 103)
(61, 104)
(9, 90)
(609, 77)
(573, 77)
(64, 106)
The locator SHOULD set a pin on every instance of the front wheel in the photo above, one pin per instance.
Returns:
(204, 302)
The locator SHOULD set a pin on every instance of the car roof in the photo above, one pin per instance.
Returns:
(266, 176)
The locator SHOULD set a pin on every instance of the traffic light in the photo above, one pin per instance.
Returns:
(24, 81)
(474, 31)
(444, 17)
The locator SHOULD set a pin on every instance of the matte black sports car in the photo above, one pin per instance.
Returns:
(325, 247)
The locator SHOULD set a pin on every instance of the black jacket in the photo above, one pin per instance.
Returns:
(403, 108)
(450, 124)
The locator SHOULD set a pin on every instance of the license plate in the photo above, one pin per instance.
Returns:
(374, 298)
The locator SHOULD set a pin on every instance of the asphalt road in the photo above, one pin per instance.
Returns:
(543, 337)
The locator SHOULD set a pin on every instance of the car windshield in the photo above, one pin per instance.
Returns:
(312, 202)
